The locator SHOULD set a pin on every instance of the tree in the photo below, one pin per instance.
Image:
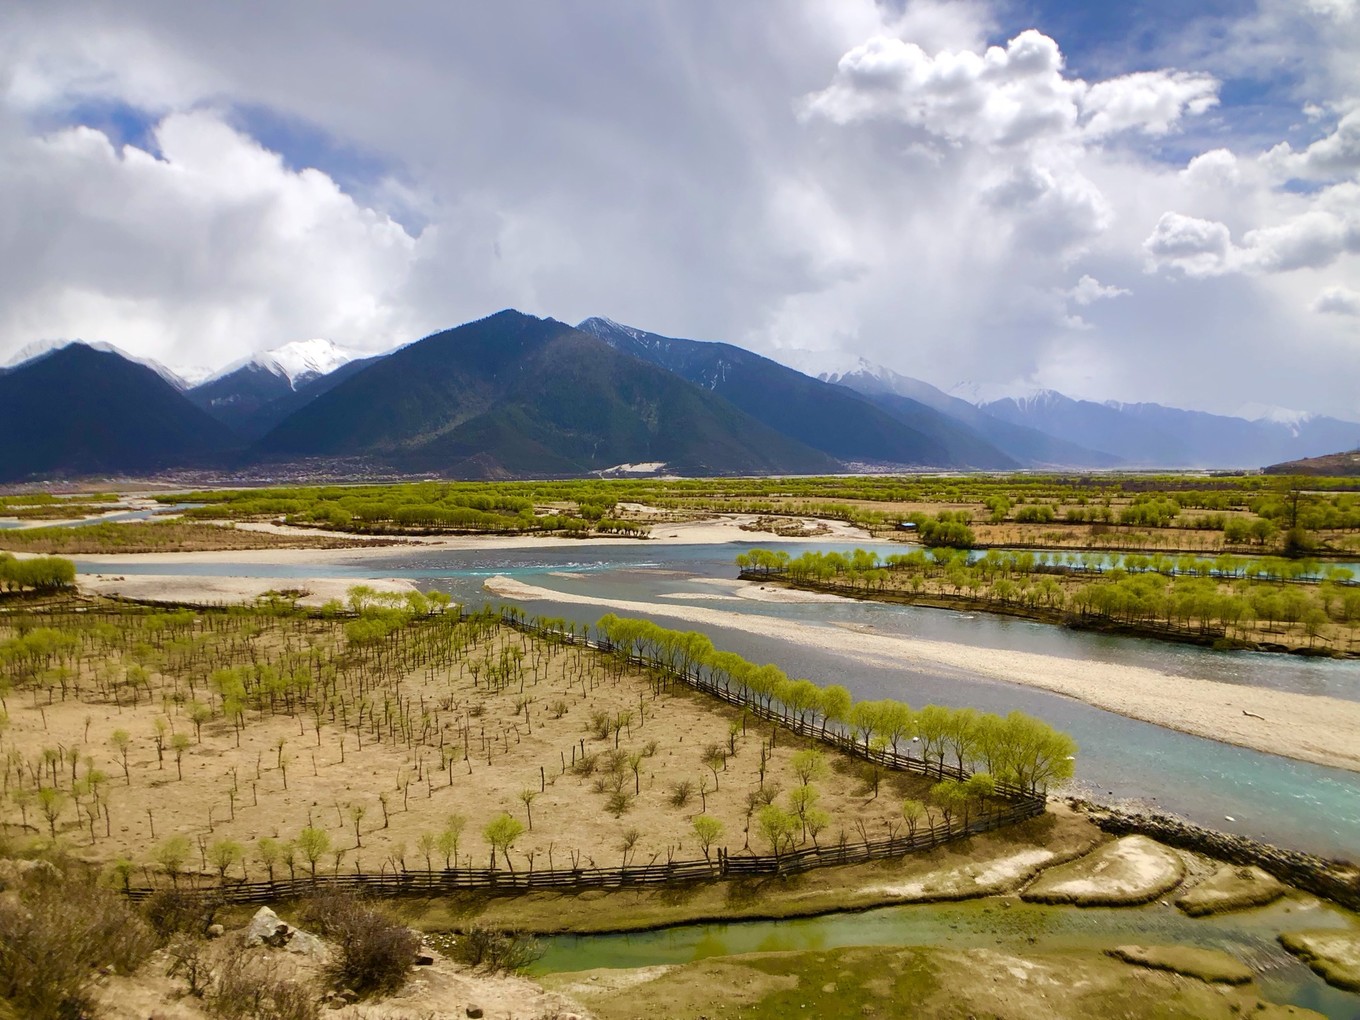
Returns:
(912, 811)
(313, 843)
(778, 827)
(501, 833)
(171, 856)
(426, 843)
(708, 830)
(447, 840)
(122, 740)
(179, 743)
(834, 705)
(224, 853)
(809, 765)
(527, 796)
(267, 853)
(51, 802)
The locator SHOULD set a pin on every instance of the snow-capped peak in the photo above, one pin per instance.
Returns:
(304, 359)
(1275, 415)
(42, 348)
(1023, 392)
(605, 328)
(299, 361)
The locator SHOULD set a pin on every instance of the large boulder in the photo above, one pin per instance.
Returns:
(266, 928)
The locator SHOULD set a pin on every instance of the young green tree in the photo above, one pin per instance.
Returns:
(447, 840)
(500, 834)
(313, 843)
(708, 830)
(172, 855)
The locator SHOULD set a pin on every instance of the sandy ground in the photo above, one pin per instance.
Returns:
(1131, 870)
(718, 530)
(1322, 730)
(206, 591)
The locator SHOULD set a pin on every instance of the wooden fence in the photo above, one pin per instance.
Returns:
(1019, 805)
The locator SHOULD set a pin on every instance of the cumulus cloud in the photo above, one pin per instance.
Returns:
(1090, 290)
(1337, 301)
(1007, 96)
(1335, 156)
(181, 255)
(1313, 239)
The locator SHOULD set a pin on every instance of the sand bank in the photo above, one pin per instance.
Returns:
(207, 591)
(714, 531)
(1322, 730)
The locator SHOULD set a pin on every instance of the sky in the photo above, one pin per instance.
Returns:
(1149, 200)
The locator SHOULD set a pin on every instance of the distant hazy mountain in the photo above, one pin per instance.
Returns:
(900, 394)
(254, 395)
(515, 395)
(829, 418)
(78, 410)
(1156, 436)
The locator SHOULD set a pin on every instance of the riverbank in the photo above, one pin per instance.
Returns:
(1317, 729)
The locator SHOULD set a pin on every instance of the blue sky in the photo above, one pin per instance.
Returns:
(1013, 195)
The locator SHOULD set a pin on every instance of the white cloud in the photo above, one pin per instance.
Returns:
(1090, 290)
(1337, 301)
(1005, 97)
(181, 257)
(1312, 239)
(1335, 156)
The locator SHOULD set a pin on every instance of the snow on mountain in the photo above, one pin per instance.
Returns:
(297, 362)
(42, 348)
(1288, 417)
(1025, 394)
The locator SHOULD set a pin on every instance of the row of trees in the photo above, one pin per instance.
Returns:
(38, 573)
(1180, 594)
(1016, 749)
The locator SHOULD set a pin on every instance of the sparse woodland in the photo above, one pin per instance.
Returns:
(394, 734)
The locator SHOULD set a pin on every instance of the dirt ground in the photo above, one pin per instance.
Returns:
(279, 773)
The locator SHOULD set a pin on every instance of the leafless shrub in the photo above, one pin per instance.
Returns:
(54, 935)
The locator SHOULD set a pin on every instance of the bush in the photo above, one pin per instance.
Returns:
(55, 935)
(249, 987)
(173, 912)
(495, 949)
(372, 953)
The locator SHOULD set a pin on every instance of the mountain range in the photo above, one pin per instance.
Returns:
(512, 395)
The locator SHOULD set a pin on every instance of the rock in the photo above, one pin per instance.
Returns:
(264, 928)
(15, 872)
(1204, 964)
(474, 1012)
(424, 960)
(349, 995)
(216, 931)
(1231, 888)
(305, 944)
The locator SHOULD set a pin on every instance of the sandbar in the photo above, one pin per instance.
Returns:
(713, 531)
(195, 590)
(1312, 728)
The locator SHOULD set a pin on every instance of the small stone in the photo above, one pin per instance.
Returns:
(424, 960)
(474, 1012)
(216, 931)
(349, 995)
